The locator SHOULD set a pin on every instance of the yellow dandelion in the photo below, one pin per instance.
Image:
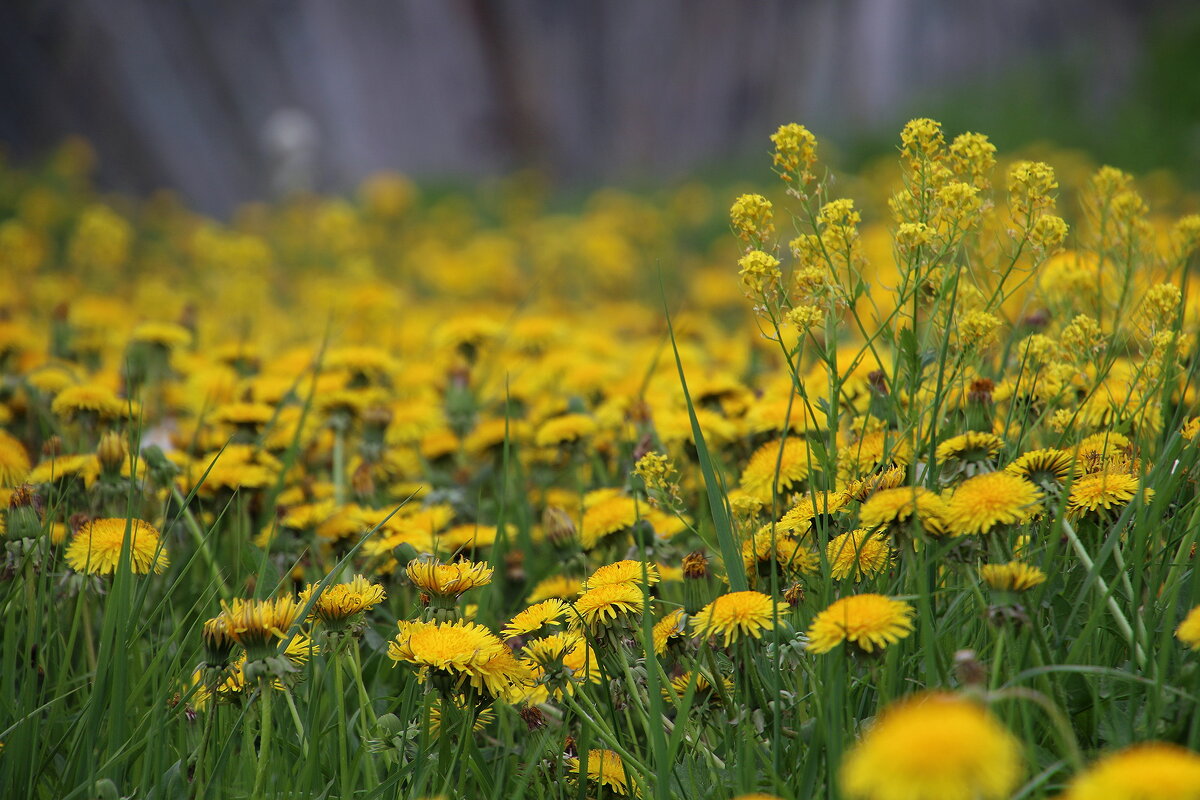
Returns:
(564, 587)
(89, 398)
(250, 415)
(606, 517)
(539, 615)
(605, 768)
(164, 334)
(777, 469)
(862, 488)
(341, 601)
(890, 509)
(858, 554)
(1146, 771)
(448, 580)
(607, 603)
(564, 430)
(800, 517)
(738, 614)
(1048, 467)
(1101, 491)
(971, 447)
(986, 501)
(1015, 576)
(872, 452)
(869, 621)
(672, 626)
(458, 648)
(703, 692)
(259, 625)
(623, 572)
(96, 548)
(14, 461)
(933, 745)
(1188, 631)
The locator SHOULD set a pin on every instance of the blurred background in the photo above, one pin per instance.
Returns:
(235, 100)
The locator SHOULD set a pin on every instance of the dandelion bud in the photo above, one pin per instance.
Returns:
(969, 669)
(558, 525)
(24, 514)
(534, 718)
(695, 566)
(794, 595)
(112, 452)
(53, 446)
(218, 644)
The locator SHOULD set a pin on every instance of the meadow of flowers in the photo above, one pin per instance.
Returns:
(878, 486)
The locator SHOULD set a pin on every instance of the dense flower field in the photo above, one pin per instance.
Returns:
(423, 494)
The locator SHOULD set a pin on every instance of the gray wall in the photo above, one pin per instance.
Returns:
(182, 92)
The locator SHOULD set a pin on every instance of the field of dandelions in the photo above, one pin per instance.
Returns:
(876, 487)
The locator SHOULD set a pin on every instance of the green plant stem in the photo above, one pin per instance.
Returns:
(197, 534)
(343, 747)
(1118, 616)
(264, 745)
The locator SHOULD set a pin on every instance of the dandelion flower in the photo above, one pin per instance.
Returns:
(563, 587)
(605, 768)
(759, 478)
(869, 621)
(96, 548)
(1188, 631)
(607, 517)
(736, 614)
(986, 501)
(448, 580)
(858, 554)
(1015, 576)
(1147, 771)
(969, 447)
(14, 461)
(628, 571)
(89, 399)
(1049, 467)
(669, 627)
(892, 508)
(457, 648)
(606, 603)
(933, 745)
(547, 612)
(564, 430)
(799, 519)
(341, 601)
(1101, 491)
(259, 625)
(702, 692)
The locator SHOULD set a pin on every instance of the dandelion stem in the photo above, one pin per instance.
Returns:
(1118, 616)
(264, 745)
